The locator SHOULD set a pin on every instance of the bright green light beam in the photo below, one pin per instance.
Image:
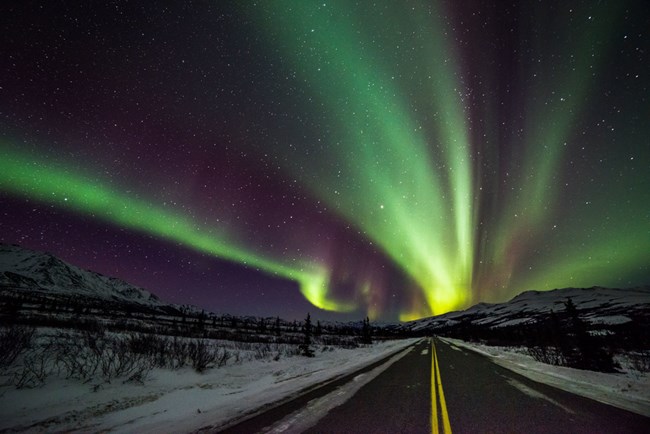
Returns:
(24, 176)
(386, 184)
(451, 128)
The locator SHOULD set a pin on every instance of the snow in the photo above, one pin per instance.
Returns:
(179, 401)
(629, 390)
(610, 320)
(516, 321)
(607, 306)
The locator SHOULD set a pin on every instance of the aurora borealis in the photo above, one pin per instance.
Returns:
(390, 159)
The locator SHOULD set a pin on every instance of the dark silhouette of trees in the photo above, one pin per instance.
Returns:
(564, 339)
(276, 328)
(319, 329)
(366, 332)
(200, 321)
(262, 326)
(584, 351)
(305, 347)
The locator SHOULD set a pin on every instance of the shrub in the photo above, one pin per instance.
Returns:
(14, 340)
(640, 361)
(201, 355)
(548, 355)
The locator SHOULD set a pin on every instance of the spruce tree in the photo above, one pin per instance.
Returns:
(306, 344)
(319, 329)
(366, 337)
(585, 351)
(277, 326)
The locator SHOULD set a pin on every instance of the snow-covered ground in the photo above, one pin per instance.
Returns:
(629, 390)
(178, 401)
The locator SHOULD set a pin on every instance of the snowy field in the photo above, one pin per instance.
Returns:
(180, 400)
(629, 390)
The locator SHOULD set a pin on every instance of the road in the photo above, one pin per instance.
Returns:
(437, 388)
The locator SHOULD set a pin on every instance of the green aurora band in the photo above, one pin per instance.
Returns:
(406, 176)
(398, 199)
(25, 176)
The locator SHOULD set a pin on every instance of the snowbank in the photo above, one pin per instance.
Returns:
(629, 390)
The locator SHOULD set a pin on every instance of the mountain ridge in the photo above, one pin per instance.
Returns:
(23, 269)
(26, 269)
(596, 305)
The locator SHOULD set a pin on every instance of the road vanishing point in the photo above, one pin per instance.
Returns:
(435, 387)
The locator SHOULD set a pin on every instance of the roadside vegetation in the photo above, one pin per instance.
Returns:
(95, 344)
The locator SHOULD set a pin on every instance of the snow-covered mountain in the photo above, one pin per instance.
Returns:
(596, 305)
(27, 270)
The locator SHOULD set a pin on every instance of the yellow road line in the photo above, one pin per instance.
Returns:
(434, 399)
(436, 390)
(443, 403)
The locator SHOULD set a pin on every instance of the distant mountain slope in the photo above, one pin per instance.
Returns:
(28, 270)
(42, 274)
(596, 305)
(34, 278)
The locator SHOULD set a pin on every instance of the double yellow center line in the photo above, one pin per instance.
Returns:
(437, 395)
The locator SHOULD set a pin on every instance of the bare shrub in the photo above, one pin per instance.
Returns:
(262, 351)
(94, 354)
(85, 356)
(201, 355)
(34, 369)
(223, 358)
(153, 347)
(77, 356)
(548, 355)
(640, 361)
(117, 360)
(139, 375)
(178, 353)
(290, 350)
(14, 340)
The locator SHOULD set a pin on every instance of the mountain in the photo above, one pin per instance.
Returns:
(40, 277)
(38, 283)
(26, 271)
(597, 306)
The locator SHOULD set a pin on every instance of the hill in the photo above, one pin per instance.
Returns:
(597, 306)
(26, 271)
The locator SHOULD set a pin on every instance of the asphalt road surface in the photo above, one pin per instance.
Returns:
(437, 388)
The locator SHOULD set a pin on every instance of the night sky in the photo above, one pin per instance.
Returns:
(395, 159)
